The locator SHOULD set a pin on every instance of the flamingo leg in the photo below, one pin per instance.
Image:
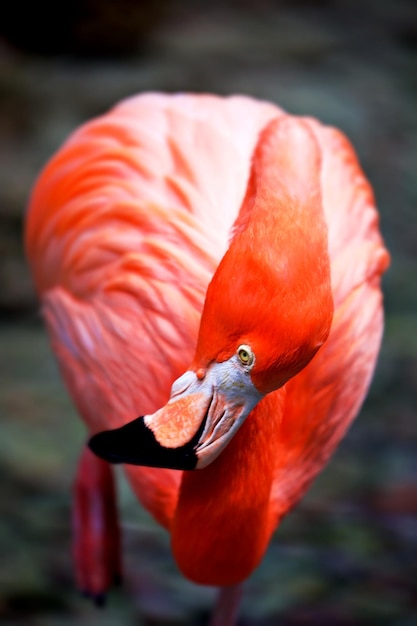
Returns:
(227, 606)
(96, 532)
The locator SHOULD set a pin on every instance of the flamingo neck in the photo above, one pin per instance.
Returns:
(222, 523)
(272, 289)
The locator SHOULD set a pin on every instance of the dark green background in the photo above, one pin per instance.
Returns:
(348, 555)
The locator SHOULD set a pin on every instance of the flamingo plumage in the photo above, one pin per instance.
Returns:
(220, 259)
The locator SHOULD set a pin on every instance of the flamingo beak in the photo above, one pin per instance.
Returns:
(191, 430)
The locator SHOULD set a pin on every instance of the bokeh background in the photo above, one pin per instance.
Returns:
(348, 555)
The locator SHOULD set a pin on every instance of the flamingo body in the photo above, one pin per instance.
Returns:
(175, 232)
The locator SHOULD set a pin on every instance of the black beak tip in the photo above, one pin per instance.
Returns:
(135, 444)
(102, 444)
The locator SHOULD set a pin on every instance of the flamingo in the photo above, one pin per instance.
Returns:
(213, 265)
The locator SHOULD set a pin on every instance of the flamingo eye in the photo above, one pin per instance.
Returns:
(246, 355)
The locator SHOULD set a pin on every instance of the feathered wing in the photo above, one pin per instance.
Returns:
(126, 225)
(324, 398)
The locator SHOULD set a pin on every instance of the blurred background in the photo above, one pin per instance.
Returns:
(348, 555)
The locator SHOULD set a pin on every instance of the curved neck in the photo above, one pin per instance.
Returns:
(222, 524)
(272, 288)
(285, 172)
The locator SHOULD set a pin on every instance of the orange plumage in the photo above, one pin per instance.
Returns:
(127, 226)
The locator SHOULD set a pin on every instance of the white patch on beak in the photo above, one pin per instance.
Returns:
(217, 403)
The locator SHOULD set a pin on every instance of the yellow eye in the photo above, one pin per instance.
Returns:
(245, 355)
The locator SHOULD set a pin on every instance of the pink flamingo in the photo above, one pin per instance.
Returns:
(223, 238)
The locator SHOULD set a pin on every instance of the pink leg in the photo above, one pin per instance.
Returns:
(227, 606)
(96, 532)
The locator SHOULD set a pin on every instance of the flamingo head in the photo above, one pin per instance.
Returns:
(268, 309)
(262, 323)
